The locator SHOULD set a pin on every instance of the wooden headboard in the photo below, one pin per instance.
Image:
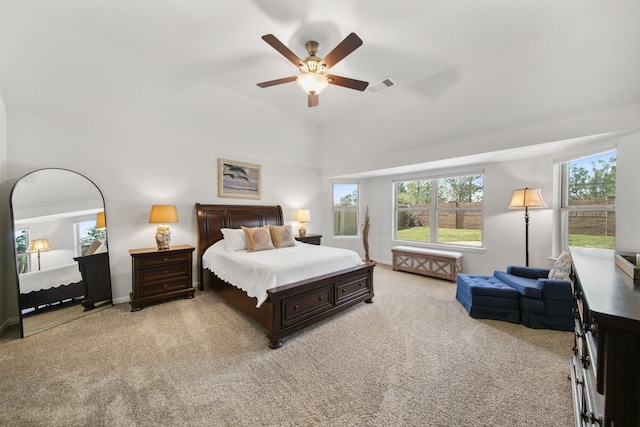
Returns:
(212, 218)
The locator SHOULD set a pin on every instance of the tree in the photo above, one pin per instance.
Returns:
(596, 183)
(414, 193)
(348, 200)
(461, 189)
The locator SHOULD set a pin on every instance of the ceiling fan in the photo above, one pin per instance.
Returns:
(314, 77)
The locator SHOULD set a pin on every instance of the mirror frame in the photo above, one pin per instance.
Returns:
(13, 230)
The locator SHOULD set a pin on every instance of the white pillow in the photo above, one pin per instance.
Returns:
(561, 270)
(235, 238)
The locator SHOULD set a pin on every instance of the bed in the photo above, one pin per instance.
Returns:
(289, 307)
(45, 288)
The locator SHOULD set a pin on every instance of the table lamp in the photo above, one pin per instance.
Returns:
(302, 216)
(162, 215)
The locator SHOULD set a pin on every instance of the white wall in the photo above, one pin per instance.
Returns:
(141, 161)
(504, 238)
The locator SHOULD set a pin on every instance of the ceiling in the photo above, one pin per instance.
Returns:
(482, 66)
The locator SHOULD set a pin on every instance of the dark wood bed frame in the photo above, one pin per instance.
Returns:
(59, 295)
(288, 308)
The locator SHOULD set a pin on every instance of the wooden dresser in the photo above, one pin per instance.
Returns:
(159, 275)
(605, 369)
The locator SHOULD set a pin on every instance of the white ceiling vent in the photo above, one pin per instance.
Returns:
(385, 84)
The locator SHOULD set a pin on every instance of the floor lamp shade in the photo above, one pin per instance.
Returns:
(38, 245)
(527, 198)
(162, 215)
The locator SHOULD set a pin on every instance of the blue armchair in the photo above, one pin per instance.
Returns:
(544, 303)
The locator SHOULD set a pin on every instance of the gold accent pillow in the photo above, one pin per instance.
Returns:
(258, 238)
(282, 236)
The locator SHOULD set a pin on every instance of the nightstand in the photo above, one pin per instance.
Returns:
(313, 239)
(159, 275)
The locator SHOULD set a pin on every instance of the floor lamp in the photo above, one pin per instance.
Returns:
(527, 198)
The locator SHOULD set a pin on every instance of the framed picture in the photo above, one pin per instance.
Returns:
(239, 180)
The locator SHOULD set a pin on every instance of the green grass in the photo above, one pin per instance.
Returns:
(421, 234)
(585, 241)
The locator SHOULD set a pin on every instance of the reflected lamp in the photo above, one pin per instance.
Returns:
(38, 245)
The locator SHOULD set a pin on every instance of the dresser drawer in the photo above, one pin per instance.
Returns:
(163, 259)
(157, 288)
(304, 306)
(163, 272)
(352, 289)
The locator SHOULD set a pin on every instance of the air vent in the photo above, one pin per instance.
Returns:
(385, 84)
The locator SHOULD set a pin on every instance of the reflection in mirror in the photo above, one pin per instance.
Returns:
(62, 257)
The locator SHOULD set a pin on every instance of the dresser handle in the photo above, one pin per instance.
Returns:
(320, 299)
(296, 308)
(165, 286)
(165, 259)
(344, 291)
(166, 271)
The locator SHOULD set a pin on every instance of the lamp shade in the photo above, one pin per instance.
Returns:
(101, 222)
(38, 245)
(527, 198)
(162, 214)
(302, 215)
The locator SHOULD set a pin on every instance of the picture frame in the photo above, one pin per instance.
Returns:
(239, 180)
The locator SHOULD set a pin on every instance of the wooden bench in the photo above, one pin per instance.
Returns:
(428, 262)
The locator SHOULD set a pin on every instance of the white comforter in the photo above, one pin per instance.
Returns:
(255, 272)
(45, 279)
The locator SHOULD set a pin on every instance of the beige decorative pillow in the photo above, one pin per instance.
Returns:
(258, 238)
(561, 270)
(282, 236)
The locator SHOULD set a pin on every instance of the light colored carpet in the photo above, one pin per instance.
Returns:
(413, 357)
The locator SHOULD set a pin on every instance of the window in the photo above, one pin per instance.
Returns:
(444, 210)
(23, 258)
(345, 210)
(588, 214)
(85, 233)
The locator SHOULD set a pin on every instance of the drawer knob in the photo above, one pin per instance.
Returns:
(165, 286)
(344, 291)
(165, 259)
(166, 272)
(320, 299)
(296, 308)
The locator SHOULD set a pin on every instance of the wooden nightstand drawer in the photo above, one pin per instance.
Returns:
(313, 239)
(158, 275)
(164, 286)
(164, 272)
(164, 258)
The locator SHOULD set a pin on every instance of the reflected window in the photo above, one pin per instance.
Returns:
(23, 258)
(85, 234)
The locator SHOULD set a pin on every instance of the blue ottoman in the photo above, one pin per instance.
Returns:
(486, 297)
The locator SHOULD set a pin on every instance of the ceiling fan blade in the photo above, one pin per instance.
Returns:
(344, 48)
(278, 81)
(347, 82)
(313, 100)
(284, 50)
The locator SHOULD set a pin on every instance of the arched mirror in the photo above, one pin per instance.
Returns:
(62, 257)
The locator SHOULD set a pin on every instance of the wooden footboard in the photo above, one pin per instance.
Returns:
(295, 306)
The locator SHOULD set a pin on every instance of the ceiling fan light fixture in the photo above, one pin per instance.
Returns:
(313, 83)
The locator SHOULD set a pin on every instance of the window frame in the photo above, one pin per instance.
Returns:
(435, 209)
(565, 208)
(335, 209)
